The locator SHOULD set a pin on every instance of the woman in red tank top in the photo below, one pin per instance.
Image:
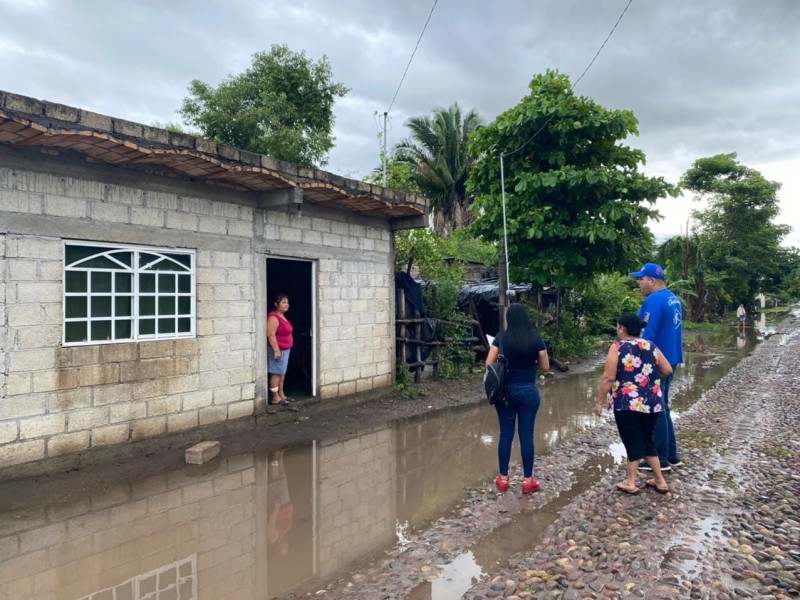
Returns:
(280, 342)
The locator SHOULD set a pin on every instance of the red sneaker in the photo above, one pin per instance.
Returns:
(502, 483)
(530, 484)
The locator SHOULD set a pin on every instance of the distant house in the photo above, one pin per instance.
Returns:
(137, 270)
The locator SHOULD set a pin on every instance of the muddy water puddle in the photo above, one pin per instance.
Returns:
(484, 558)
(265, 524)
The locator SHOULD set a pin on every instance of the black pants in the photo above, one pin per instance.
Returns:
(636, 432)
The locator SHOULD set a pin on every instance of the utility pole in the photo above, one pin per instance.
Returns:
(504, 282)
(385, 158)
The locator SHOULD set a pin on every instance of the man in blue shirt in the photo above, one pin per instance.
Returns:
(663, 315)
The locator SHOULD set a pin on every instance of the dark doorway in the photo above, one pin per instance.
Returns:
(295, 278)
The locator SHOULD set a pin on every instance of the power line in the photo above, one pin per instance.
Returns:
(412, 56)
(503, 155)
(572, 87)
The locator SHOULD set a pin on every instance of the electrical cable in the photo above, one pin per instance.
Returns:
(391, 104)
(572, 87)
(528, 141)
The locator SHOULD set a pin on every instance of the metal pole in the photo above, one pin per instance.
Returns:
(505, 228)
(385, 118)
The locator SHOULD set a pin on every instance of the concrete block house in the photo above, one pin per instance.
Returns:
(136, 271)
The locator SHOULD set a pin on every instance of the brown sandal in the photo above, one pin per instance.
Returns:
(627, 490)
(652, 483)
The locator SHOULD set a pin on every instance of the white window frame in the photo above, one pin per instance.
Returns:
(136, 271)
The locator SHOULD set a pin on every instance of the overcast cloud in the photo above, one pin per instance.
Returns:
(702, 76)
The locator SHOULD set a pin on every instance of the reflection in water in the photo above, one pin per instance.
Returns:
(464, 567)
(279, 504)
(484, 558)
(177, 580)
(264, 524)
(617, 451)
(741, 340)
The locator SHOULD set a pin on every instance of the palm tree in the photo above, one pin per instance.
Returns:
(437, 149)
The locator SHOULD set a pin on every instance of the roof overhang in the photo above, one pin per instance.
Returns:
(27, 122)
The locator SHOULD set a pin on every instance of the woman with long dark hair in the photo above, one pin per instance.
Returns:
(525, 352)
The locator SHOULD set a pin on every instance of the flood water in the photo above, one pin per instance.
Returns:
(264, 524)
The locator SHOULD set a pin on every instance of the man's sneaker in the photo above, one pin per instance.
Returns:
(675, 462)
(643, 466)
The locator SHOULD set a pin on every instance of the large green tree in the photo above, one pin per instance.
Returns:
(738, 241)
(576, 202)
(281, 106)
(438, 151)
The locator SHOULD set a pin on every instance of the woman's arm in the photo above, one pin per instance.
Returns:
(494, 351)
(664, 368)
(609, 376)
(544, 361)
(272, 339)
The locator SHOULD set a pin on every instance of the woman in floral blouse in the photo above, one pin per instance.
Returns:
(631, 385)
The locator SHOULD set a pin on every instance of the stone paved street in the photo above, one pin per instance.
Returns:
(729, 528)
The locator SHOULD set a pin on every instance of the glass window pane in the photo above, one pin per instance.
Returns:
(147, 326)
(101, 262)
(154, 262)
(99, 293)
(101, 282)
(184, 325)
(75, 332)
(101, 306)
(166, 305)
(123, 283)
(125, 257)
(122, 330)
(145, 258)
(166, 326)
(163, 264)
(147, 283)
(166, 283)
(75, 282)
(101, 330)
(122, 306)
(75, 253)
(147, 305)
(184, 259)
(75, 307)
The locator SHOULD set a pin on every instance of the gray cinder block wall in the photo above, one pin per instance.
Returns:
(57, 400)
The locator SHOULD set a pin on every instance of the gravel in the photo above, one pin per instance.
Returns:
(729, 527)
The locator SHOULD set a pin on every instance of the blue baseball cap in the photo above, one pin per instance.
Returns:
(649, 270)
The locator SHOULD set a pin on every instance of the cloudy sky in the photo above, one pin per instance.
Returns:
(702, 76)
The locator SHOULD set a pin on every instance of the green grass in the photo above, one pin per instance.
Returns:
(776, 310)
(705, 326)
(730, 483)
(698, 439)
(777, 452)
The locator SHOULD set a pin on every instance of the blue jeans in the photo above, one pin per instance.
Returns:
(666, 444)
(521, 409)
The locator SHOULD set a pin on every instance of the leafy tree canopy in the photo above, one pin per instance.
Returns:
(281, 106)
(425, 248)
(737, 238)
(399, 176)
(576, 202)
(438, 153)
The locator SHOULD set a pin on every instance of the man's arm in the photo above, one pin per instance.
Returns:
(650, 312)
